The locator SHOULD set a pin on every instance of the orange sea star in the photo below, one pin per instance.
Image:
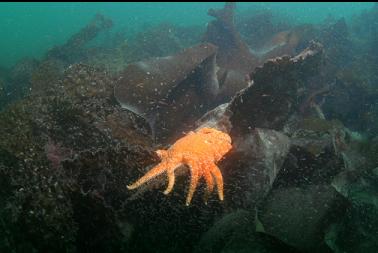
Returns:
(199, 151)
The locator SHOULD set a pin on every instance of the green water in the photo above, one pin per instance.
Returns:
(30, 29)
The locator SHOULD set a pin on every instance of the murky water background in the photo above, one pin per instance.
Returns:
(29, 29)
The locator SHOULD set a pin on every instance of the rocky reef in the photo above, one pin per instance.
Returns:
(299, 102)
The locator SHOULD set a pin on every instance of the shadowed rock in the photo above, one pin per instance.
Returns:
(235, 232)
(233, 52)
(253, 165)
(234, 57)
(288, 42)
(258, 25)
(272, 98)
(170, 92)
(54, 165)
(252, 116)
(300, 216)
(159, 41)
(15, 82)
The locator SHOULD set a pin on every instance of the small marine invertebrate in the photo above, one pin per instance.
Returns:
(199, 151)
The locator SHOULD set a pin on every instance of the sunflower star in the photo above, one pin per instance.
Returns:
(198, 150)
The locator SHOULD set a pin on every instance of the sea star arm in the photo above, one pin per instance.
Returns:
(154, 172)
(163, 154)
(171, 180)
(209, 182)
(218, 179)
(194, 176)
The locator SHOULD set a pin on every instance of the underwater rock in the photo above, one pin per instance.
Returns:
(253, 164)
(315, 155)
(90, 91)
(15, 83)
(35, 213)
(289, 42)
(313, 97)
(234, 57)
(336, 40)
(358, 184)
(300, 216)
(364, 27)
(35, 207)
(258, 26)
(126, 127)
(170, 92)
(352, 99)
(247, 114)
(271, 99)
(338, 57)
(236, 232)
(189, 35)
(155, 41)
(74, 49)
(353, 59)
(4, 93)
(303, 203)
(360, 188)
(160, 40)
(320, 151)
(97, 181)
(261, 162)
(70, 123)
(83, 82)
(154, 79)
(273, 96)
(218, 118)
(260, 151)
(45, 78)
(231, 225)
(291, 73)
(233, 53)
(373, 50)
(21, 73)
(2, 90)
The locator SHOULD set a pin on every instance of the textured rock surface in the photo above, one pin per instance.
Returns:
(234, 58)
(253, 165)
(170, 92)
(273, 96)
(300, 216)
(42, 132)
